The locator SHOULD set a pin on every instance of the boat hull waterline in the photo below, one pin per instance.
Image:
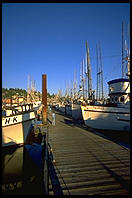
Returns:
(106, 118)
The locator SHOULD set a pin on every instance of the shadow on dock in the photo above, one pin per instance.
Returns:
(56, 186)
(85, 163)
(119, 137)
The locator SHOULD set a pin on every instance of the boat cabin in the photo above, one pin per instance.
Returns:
(119, 90)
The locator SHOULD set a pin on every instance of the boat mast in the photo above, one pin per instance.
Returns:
(125, 53)
(71, 91)
(128, 55)
(97, 92)
(89, 73)
(122, 50)
(75, 84)
(28, 89)
(86, 76)
(128, 66)
(101, 67)
(99, 75)
(66, 91)
(83, 78)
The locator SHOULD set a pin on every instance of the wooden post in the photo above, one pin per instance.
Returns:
(45, 142)
(11, 101)
(44, 99)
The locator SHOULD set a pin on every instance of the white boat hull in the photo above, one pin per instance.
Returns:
(107, 118)
(15, 129)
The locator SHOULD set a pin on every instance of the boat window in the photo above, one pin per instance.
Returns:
(116, 99)
(112, 99)
(122, 99)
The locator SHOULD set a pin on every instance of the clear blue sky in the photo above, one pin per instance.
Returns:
(49, 38)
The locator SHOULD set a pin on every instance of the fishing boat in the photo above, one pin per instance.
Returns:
(17, 125)
(106, 117)
(115, 113)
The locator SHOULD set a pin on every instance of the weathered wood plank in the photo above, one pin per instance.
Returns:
(86, 163)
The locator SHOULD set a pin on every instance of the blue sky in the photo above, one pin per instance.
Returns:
(49, 38)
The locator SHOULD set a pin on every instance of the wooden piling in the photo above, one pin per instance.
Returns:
(45, 140)
(44, 99)
(11, 101)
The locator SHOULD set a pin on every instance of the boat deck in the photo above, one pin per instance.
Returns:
(86, 163)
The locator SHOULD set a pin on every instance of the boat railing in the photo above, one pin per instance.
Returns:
(27, 107)
(24, 108)
(9, 111)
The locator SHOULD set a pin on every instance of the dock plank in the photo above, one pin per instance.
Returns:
(86, 163)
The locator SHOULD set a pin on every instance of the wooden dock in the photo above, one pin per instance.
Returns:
(85, 163)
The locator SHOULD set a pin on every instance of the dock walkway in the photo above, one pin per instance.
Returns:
(85, 163)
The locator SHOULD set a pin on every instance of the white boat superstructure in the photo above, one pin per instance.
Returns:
(108, 117)
(16, 126)
(119, 91)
